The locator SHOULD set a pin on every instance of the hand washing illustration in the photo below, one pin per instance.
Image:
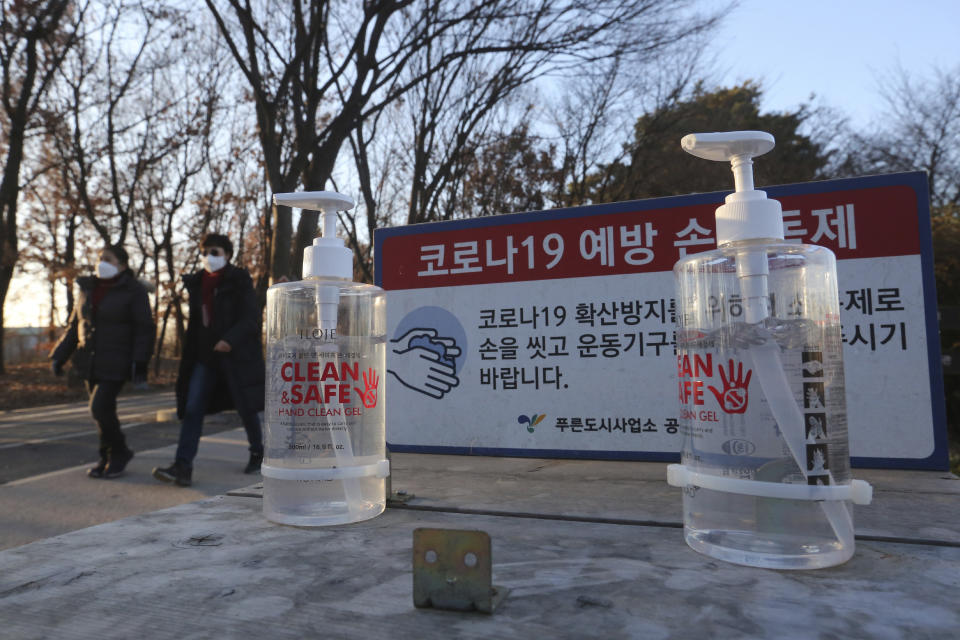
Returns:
(422, 361)
(812, 368)
(427, 352)
(813, 395)
(815, 428)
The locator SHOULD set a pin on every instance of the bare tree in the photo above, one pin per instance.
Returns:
(584, 120)
(455, 110)
(34, 37)
(194, 179)
(52, 237)
(471, 123)
(376, 187)
(514, 173)
(317, 70)
(133, 142)
(167, 186)
(52, 233)
(919, 130)
(116, 109)
(277, 47)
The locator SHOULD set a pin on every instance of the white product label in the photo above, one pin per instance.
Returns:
(319, 399)
(732, 429)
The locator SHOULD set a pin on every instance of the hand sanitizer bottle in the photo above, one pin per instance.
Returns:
(325, 451)
(765, 463)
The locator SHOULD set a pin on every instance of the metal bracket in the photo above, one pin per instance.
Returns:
(453, 569)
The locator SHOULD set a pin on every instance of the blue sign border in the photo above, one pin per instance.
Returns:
(916, 180)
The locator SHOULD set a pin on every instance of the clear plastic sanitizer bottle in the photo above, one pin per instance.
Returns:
(325, 452)
(765, 461)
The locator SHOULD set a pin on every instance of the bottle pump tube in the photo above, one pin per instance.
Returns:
(766, 477)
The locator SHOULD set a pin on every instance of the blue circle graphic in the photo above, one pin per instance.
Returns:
(441, 321)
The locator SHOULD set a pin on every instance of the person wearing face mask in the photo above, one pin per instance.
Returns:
(110, 338)
(222, 362)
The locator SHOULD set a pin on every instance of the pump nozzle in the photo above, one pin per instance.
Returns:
(315, 200)
(747, 213)
(727, 145)
(327, 258)
(738, 147)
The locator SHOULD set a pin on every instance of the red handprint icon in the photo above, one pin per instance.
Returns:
(368, 395)
(733, 398)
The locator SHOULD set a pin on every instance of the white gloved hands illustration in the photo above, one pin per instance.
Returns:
(813, 368)
(813, 399)
(422, 337)
(425, 362)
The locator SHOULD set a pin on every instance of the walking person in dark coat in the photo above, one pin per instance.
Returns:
(222, 362)
(110, 336)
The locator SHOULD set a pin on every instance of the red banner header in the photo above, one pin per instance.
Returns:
(860, 223)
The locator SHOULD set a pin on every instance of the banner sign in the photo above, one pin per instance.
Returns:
(551, 333)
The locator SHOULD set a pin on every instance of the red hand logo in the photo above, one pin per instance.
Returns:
(368, 395)
(733, 398)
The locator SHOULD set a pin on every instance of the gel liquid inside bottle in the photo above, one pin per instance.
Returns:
(325, 452)
(765, 461)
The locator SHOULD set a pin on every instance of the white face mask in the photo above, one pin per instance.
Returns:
(106, 270)
(214, 263)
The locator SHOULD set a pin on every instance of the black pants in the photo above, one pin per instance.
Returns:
(103, 408)
(203, 382)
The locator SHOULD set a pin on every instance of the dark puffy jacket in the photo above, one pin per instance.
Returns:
(236, 319)
(105, 344)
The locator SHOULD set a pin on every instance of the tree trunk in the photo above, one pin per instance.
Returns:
(306, 232)
(5, 276)
(52, 316)
(163, 333)
(18, 115)
(9, 193)
(280, 242)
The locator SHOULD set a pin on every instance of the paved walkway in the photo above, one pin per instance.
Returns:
(50, 438)
(53, 503)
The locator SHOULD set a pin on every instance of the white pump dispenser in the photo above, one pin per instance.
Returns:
(328, 257)
(765, 468)
(747, 213)
(325, 460)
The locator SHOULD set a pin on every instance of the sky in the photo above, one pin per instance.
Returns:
(835, 49)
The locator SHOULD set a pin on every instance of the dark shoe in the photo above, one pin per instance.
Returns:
(175, 473)
(256, 459)
(117, 462)
(97, 471)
